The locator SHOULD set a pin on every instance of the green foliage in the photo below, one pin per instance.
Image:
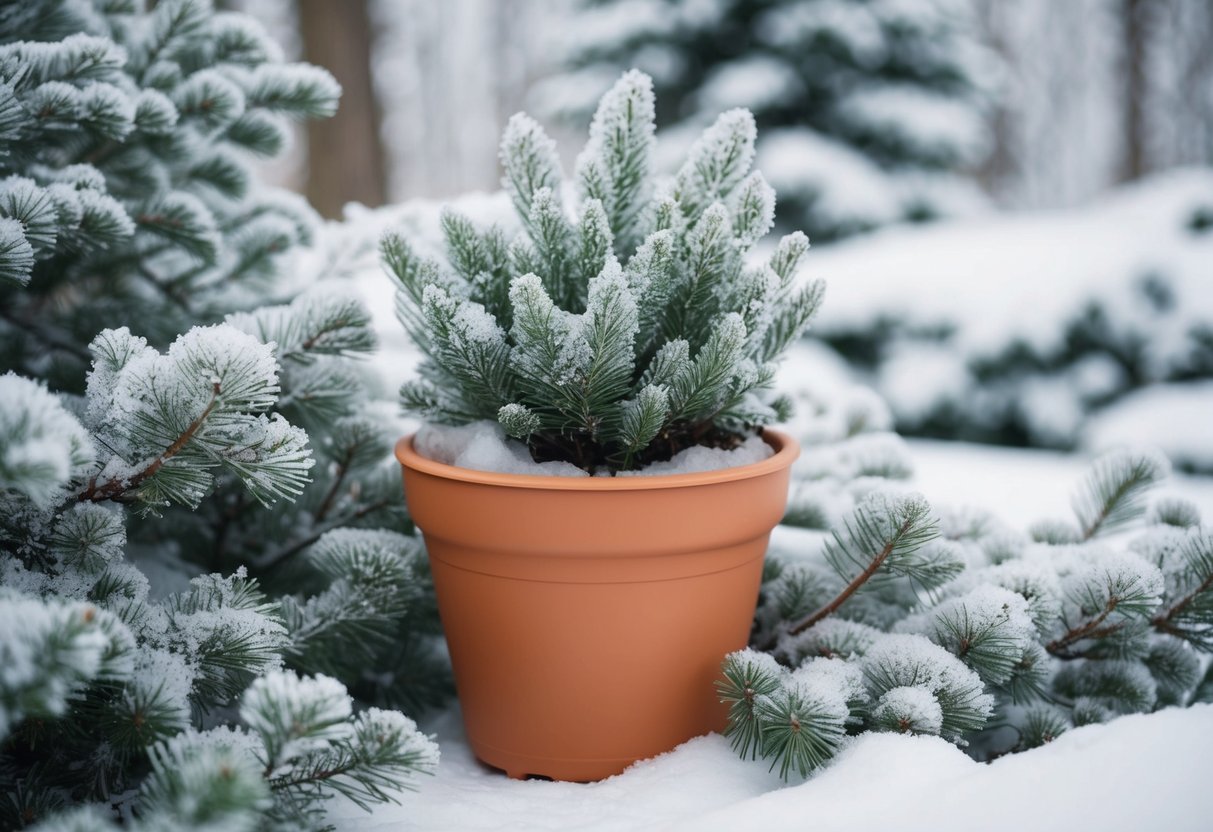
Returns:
(960, 628)
(883, 533)
(242, 439)
(1041, 725)
(344, 629)
(799, 730)
(1112, 493)
(749, 679)
(837, 89)
(625, 331)
(1188, 569)
(42, 446)
(197, 408)
(126, 175)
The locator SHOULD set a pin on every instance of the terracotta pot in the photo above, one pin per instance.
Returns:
(587, 618)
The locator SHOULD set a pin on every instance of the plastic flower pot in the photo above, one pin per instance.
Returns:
(587, 618)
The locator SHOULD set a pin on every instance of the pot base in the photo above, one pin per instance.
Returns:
(524, 766)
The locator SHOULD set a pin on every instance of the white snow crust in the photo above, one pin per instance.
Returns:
(1137, 772)
(697, 459)
(483, 446)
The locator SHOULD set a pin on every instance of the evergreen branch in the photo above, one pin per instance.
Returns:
(1191, 616)
(166, 289)
(1107, 584)
(807, 621)
(1088, 629)
(749, 679)
(276, 557)
(115, 489)
(331, 495)
(799, 732)
(882, 534)
(1112, 494)
(45, 336)
(1163, 620)
(103, 152)
(312, 776)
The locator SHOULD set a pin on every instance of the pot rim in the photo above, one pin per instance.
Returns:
(787, 449)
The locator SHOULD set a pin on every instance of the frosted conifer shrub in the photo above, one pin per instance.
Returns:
(948, 624)
(190, 482)
(625, 323)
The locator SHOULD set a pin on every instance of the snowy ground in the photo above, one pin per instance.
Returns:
(1138, 772)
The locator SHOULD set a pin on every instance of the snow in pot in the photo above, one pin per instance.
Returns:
(483, 446)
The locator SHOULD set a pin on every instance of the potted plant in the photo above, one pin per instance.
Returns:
(587, 608)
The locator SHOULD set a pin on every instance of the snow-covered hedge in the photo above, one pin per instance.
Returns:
(1018, 328)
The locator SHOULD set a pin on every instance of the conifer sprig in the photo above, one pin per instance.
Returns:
(882, 535)
(1111, 496)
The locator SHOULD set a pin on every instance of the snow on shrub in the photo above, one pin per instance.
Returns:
(949, 624)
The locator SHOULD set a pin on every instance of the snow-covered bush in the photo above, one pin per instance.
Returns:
(870, 112)
(625, 332)
(1032, 329)
(179, 513)
(950, 624)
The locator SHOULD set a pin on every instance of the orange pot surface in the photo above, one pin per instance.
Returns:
(587, 618)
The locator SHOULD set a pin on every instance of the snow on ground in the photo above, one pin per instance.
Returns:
(1178, 418)
(1020, 485)
(1138, 772)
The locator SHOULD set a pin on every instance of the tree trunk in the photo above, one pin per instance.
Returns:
(999, 170)
(345, 155)
(1136, 16)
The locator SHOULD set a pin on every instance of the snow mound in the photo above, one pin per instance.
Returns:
(1022, 277)
(1146, 771)
(1176, 418)
(1023, 325)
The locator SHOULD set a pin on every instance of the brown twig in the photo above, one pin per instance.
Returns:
(829, 609)
(1090, 629)
(1162, 621)
(114, 489)
(330, 497)
(273, 559)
